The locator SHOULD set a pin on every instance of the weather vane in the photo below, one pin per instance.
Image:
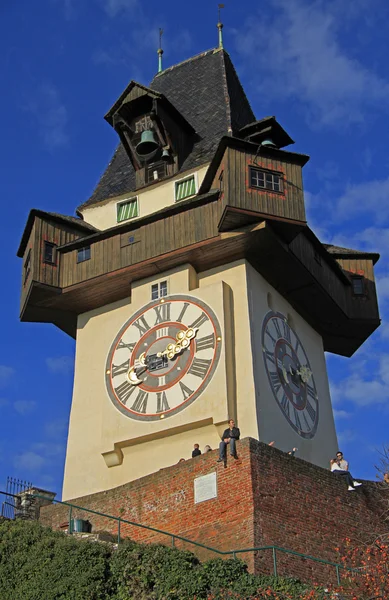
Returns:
(220, 25)
(160, 51)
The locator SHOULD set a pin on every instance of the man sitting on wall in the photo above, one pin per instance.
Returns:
(230, 436)
(339, 466)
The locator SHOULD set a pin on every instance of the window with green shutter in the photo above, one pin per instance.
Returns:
(127, 210)
(185, 188)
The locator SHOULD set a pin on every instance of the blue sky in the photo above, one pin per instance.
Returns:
(320, 67)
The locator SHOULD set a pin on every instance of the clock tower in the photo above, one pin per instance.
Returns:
(193, 285)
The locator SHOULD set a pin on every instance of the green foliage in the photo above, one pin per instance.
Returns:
(37, 563)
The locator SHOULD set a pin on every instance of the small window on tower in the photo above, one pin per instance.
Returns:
(49, 253)
(83, 254)
(185, 188)
(155, 171)
(265, 180)
(127, 210)
(358, 284)
(158, 290)
(27, 267)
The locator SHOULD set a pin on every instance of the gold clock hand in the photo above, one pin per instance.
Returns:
(140, 365)
(183, 339)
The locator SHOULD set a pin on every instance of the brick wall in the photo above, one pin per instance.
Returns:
(264, 498)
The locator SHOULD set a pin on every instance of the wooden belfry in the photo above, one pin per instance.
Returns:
(193, 285)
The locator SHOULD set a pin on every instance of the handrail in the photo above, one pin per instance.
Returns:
(174, 537)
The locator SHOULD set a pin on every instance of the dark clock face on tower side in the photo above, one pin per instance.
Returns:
(163, 358)
(289, 373)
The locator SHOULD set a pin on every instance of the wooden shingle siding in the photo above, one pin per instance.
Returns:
(359, 306)
(324, 274)
(238, 193)
(151, 240)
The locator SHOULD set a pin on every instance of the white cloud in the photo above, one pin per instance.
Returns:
(60, 364)
(24, 407)
(115, 7)
(56, 429)
(6, 374)
(341, 414)
(51, 116)
(348, 435)
(366, 385)
(48, 450)
(368, 197)
(40, 455)
(299, 53)
(29, 461)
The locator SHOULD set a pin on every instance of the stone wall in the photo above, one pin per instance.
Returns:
(264, 498)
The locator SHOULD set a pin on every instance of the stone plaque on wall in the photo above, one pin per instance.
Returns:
(205, 488)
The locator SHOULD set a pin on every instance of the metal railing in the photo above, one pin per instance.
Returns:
(274, 549)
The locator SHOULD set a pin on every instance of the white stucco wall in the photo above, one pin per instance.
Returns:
(150, 199)
(100, 435)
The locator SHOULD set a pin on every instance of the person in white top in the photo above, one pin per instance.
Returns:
(340, 467)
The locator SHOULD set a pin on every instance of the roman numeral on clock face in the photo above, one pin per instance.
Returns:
(140, 404)
(183, 311)
(122, 345)
(277, 327)
(119, 369)
(206, 342)
(275, 380)
(186, 392)
(286, 331)
(310, 410)
(142, 325)
(124, 391)
(270, 356)
(162, 403)
(199, 367)
(297, 419)
(285, 404)
(162, 313)
(199, 321)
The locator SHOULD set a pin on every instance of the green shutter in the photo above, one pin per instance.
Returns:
(127, 210)
(185, 188)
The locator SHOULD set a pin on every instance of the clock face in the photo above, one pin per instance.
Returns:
(163, 358)
(290, 375)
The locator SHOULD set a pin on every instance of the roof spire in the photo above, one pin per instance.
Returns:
(220, 26)
(160, 51)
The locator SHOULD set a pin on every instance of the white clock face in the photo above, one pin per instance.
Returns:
(290, 375)
(163, 358)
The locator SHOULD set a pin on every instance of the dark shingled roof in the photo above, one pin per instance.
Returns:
(207, 92)
(339, 251)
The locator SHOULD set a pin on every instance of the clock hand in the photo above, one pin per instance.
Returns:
(305, 373)
(183, 339)
(138, 367)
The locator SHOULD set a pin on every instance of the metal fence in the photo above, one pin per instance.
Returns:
(274, 550)
(11, 505)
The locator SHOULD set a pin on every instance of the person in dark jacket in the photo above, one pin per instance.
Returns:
(196, 451)
(230, 436)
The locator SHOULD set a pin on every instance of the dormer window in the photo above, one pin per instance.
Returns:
(185, 188)
(127, 210)
(358, 284)
(265, 180)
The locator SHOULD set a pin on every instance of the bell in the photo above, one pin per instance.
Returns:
(147, 144)
(165, 155)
